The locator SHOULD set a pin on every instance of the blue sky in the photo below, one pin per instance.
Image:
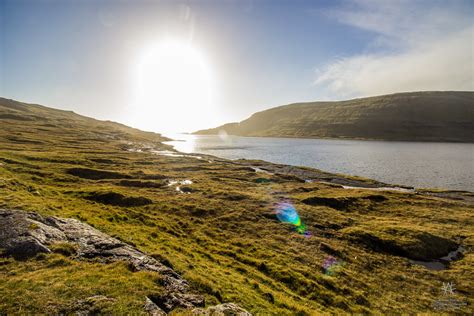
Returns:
(77, 55)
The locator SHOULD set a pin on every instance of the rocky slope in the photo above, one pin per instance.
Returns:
(114, 222)
(417, 116)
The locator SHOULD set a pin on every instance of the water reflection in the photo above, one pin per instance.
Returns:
(184, 143)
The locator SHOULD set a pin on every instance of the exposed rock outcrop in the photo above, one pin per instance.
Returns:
(25, 234)
(152, 309)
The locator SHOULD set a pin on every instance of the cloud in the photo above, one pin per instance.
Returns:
(417, 46)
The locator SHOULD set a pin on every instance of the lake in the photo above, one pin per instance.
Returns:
(418, 164)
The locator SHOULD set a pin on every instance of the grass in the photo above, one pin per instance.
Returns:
(223, 236)
(51, 284)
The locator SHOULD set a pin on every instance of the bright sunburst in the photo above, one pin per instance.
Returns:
(174, 88)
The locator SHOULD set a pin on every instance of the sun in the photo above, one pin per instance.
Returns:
(174, 90)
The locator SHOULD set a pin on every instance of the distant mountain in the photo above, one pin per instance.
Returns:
(415, 116)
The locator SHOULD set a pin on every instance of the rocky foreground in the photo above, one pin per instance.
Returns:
(96, 217)
(26, 234)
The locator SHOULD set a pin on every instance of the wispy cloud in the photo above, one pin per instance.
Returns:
(417, 46)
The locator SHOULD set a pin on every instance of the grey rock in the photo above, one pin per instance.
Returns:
(24, 234)
(152, 309)
(172, 300)
(226, 309)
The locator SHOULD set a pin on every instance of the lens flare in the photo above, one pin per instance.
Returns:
(331, 266)
(286, 213)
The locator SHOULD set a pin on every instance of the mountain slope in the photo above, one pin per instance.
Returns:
(416, 116)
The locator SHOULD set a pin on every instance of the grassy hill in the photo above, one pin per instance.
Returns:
(214, 221)
(416, 116)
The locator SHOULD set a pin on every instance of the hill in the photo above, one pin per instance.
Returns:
(100, 218)
(416, 116)
(34, 124)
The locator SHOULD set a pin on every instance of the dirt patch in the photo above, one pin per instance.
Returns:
(344, 203)
(140, 184)
(335, 203)
(402, 241)
(192, 168)
(103, 160)
(142, 175)
(18, 140)
(11, 116)
(117, 199)
(94, 174)
(375, 198)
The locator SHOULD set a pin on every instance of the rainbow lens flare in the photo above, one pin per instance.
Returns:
(331, 266)
(286, 213)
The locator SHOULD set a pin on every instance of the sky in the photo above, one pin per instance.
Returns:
(171, 66)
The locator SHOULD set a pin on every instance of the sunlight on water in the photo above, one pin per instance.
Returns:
(184, 143)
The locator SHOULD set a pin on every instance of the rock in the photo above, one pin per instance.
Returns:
(152, 309)
(172, 300)
(24, 234)
(226, 309)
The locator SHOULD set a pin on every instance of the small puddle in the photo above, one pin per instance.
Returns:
(169, 153)
(441, 263)
(135, 150)
(178, 184)
(430, 265)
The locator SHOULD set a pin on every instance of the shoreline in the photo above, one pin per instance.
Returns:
(343, 138)
(309, 174)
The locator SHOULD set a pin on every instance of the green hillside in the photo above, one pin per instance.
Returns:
(213, 221)
(416, 116)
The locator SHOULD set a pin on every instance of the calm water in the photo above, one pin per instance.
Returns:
(418, 164)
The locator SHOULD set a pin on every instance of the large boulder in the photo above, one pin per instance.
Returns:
(23, 235)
